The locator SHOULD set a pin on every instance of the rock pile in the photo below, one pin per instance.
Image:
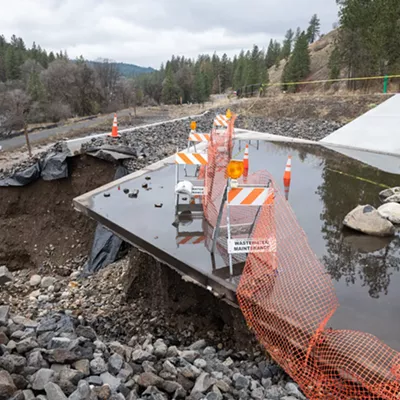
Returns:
(59, 357)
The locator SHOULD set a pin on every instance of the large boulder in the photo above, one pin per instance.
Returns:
(368, 220)
(393, 199)
(390, 211)
(7, 387)
(389, 192)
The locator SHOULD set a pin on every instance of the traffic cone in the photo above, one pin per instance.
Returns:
(114, 132)
(246, 158)
(287, 190)
(288, 172)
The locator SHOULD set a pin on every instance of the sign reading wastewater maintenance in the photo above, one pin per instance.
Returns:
(198, 191)
(238, 246)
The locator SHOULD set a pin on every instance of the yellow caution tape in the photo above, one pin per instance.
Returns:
(360, 179)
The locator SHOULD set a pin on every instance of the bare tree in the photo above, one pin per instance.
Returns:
(107, 74)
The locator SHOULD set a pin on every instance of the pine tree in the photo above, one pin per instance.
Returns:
(298, 66)
(334, 63)
(254, 66)
(199, 95)
(270, 56)
(169, 90)
(313, 29)
(12, 67)
(52, 57)
(36, 88)
(287, 44)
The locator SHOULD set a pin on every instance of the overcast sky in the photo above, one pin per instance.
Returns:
(147, 32)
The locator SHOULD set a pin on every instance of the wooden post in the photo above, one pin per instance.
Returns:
(27, 139)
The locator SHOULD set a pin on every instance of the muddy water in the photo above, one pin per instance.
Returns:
(364, 269)
(325, 187)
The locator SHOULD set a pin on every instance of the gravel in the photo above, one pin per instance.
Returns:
(72, 354)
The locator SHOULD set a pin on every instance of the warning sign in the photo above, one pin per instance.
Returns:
(238, 246)
(198, 191)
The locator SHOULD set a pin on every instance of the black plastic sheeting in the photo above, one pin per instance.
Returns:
(106, 245)
(53, 166)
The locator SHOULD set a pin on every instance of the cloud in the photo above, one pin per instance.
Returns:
(147, 32)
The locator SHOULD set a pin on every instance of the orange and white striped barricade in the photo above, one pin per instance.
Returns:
(185, 159)
(190, 238)
(244, 196)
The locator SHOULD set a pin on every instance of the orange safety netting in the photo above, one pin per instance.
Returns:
(287, 298)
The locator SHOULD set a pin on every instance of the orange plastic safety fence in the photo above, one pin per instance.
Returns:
(288, 298)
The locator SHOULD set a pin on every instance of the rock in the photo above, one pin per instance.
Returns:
(200, 363)
(4, 313)
(368, 220)
(115, 363)
(208, 351)
(384, 194)
(241, 382)
(110, 380)
(82, 392)
(7, 387)
(203, 383)
(393, 199)
(160, 348)
(258, 394)
(12, 363)
(86, 332)
(19, 381)
(125, 373)
(152, 393)
(116, 347)
(288, 398)
(47, 281)
(94, 380)
(26, 345)
(103, 392)
(186, 383)
(273, 393)
(293, 390)
(390, 211)
(3, 338)
(223, 386)
(54, 392)
(75, 353)
(172, 352)
(5, 275)
(189, 355)
(35, 280)
(28, 395)
(228, 362)
(148, 367)
(169, 367)
(42, 378)
(25, 322)
(59, 343)
(98, 366)
(138, 356)
(199, 345)
(47, 325)
(170, 386)
(147, 379)
(71, 375)
(214, 396)
(83, 366)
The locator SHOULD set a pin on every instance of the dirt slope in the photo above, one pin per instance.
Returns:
(38, 217)
(320, 52)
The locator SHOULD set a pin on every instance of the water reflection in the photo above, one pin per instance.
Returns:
(350, 256)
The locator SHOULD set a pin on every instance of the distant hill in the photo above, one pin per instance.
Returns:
(130, 70)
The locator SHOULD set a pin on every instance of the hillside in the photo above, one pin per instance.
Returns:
(320, 52)
(129, 70)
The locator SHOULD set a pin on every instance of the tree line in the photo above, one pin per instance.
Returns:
(368, 40)
(185, 80)
(36, 86)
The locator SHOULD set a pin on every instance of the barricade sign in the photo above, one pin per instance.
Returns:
(221, 120)
(250, 196)
(193, 240)
(191, 158)
(241, 246)
(199, 137)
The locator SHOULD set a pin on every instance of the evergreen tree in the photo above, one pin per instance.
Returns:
(254, 66)
(298, 66)
(200, 94)
(169, 89)
(52, 57)
(287, 44)
(270, 56)
(313, 29)
(36, 88)
(12, 67)
(334, 63)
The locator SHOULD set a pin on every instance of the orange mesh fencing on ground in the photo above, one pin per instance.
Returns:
(287, 297)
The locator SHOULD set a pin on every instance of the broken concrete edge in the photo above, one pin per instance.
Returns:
(74, 145)
(85, 198)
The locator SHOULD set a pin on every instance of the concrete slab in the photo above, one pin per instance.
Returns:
(377, 130)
